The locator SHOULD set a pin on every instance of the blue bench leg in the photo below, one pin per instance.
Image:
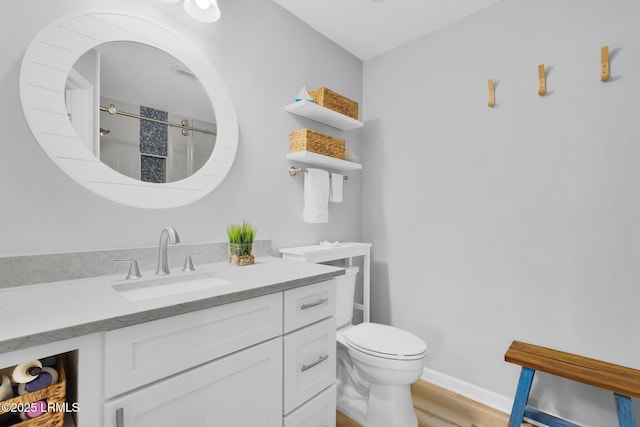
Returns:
(626, 417)
(522, 395)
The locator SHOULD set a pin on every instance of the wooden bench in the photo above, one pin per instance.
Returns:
(622, 381)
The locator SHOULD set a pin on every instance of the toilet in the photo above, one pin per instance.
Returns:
(376, 365)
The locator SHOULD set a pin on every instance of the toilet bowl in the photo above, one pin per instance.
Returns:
(376, 365)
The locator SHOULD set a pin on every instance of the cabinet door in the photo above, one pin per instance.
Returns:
(243, 389)
(309, 362)
(138, 355)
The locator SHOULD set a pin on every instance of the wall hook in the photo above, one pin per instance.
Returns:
(492, 94)
(604, 60)
(542, 80)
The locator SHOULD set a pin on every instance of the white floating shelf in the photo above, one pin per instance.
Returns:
(313, 111)
(326, 161)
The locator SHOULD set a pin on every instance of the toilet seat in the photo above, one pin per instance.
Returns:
(385, 342)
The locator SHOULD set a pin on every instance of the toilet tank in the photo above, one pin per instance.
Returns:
(345, 292)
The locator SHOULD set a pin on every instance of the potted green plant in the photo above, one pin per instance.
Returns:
(241, 244)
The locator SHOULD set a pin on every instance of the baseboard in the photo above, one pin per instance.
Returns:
(471, 391)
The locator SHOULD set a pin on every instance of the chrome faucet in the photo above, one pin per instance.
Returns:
(168, 234)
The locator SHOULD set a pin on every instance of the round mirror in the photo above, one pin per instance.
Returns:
(155, 122)
(128, 109)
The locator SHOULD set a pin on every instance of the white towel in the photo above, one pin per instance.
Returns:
(336, 188)
(316, 196)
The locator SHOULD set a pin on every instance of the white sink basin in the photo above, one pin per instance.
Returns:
(157, 287)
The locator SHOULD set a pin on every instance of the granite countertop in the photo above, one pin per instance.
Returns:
(41, 314)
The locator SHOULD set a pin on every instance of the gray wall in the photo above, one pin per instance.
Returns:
(264, 55)
(520, 221)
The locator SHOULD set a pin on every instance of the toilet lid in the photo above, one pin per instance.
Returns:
(385, 341)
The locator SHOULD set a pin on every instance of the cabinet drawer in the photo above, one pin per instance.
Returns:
(318, 412)
(137, 355)
(243, 389)
(309, 362)
(308, 304)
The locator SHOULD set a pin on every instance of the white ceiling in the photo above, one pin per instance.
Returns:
(367, 28)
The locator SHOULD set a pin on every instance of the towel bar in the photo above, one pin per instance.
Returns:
(293, 171)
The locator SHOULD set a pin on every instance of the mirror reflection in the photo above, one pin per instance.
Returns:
(141, 111)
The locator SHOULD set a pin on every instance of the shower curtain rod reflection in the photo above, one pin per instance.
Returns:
(111, 109)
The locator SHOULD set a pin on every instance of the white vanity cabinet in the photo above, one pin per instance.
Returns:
(258, 352)
(261, 362)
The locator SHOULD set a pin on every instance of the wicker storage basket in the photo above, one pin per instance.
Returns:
(55, 393)
(334, 101)
(316, 142)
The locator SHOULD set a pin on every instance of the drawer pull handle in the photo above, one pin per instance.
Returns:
(316, 363)
(120, 417)
(313, 304)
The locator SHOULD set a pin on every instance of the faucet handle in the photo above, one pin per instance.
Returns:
(188, 262)
(134, 271)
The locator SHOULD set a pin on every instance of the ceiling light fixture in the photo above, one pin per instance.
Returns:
(200, 10)
(203, 4)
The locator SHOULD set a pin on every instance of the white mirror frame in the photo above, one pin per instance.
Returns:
(45, 67)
